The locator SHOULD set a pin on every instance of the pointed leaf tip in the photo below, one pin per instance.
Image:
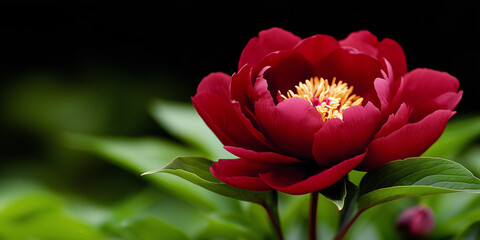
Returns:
(336, 193)
(197, 171)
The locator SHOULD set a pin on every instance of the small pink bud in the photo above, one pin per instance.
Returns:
(416, 221)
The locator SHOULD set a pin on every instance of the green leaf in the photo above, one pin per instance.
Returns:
(469, 159)
(150, 203)
(459, 221)
(141, 154)
(336, 193)
(415, 177)
(197, 171)
(450, 218)
(42, 216)
(472, 232)
(293, 210)
(350, 202)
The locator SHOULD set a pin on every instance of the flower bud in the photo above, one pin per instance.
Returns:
(416, 222)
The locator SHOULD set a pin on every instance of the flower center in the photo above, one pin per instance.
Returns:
(330, 100)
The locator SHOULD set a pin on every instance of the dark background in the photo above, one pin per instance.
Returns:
(190, 41)
(94, 68)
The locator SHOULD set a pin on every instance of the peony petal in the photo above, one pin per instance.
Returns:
(286, 70)
(260, 88)
(241, 87)
(384, 88)
(393, 52)
(384, 94)
(367, 43)
(217, 83)
(242, 91)
(316, 47)
(303, 178)
(387, 75)
(338, 140)
(395, 121)
(268, 41)
(397, 89)
(358, 70)
(447, 100)
(363, 41)
(422, 86)
(290, 125)
(240, 173)
(425, 84)
(211, 124)
(409, 141)
(227, 120)
(268, 157)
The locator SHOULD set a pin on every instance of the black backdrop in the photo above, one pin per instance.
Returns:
(188, 41)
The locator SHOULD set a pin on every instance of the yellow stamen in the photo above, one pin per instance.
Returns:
(330, 100)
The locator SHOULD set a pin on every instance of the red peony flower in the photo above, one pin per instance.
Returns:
(300, 114)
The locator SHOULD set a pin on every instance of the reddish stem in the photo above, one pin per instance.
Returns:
(345, 228)
(274, 219)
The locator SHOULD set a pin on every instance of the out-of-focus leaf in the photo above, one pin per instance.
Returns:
(471, 159)
(262, 223)
(182, 121)
(451, 219)
(445, 211)
(197, 171)
(151, 203)
(13, 189)
(458, 222)
(294, 212)
(141, 154)
(377, 223)
(222, 228)
(46, 103)
(193, 222)
(471, 233)
(41, 217)
(455, 138)
(327, 218)
(152, 228)
(414, 177)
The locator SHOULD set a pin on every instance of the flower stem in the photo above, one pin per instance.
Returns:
(312, 223)
(271, 207)
(275, 220)
(346, 227)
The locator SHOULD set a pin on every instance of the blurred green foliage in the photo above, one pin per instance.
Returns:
(73, 152)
